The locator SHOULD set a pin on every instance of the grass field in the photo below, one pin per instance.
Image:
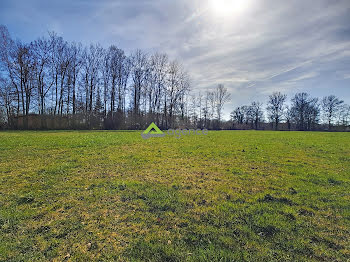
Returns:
(227, 196)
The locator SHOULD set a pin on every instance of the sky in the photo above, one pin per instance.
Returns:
(253, 47)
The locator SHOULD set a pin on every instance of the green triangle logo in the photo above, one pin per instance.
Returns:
(153, 126)
(152, 131)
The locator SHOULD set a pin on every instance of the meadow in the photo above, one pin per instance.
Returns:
(226, 196)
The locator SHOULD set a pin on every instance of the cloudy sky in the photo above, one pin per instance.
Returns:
(253, 47)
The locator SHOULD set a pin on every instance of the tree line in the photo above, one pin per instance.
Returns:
(52, 77)
(304, 112)
(52, 83)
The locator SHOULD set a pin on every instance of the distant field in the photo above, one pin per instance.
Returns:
(227, 196)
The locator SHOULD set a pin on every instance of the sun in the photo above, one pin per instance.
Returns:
(228, 7)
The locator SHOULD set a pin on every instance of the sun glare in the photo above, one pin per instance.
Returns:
(228, 7)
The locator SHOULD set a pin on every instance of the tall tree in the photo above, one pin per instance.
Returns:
(331, 106)
(257, 113)
(237, 115)
(91, 73)
(139, 75)
(276, 107)
(159, 66)
(205, 110)
(305, 111)
(221, 96)
(177, 86)
(42, 52)
(344, 115)
(75, 51)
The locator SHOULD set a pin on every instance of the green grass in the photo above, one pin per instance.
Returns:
(227, 196)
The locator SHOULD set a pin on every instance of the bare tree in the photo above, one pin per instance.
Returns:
(305, 111)
(91, 69)
(331, 106)
(177, 86)
(237, 115)
(312, 114)
(247, 115)
(289, 116)
(200, 105)
(206, 109)
(115, 75)
(157, 84)
(344, 115)
(106, 68)
(139, 75)
(6, 98)
(42, 52)
(75, 51)
(22, 73)
(193, 110)
(221, 96)
(276, 107)
(119, 70)
(7, 91)
(256, 113)
(60, 62)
